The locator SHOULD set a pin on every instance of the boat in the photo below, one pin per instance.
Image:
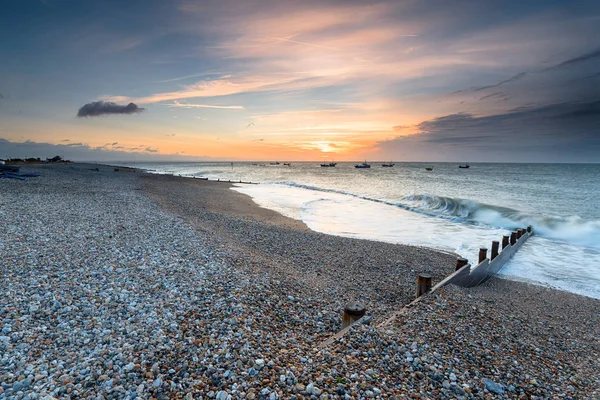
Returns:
(429, 169)
(363, 165)
(274, 163)
(464, 166)
(287, 164)
(331, 164)
(390, 164)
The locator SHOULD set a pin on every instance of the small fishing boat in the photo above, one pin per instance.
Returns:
(464, 166)
(287, 164)
(363, 165)
(429, 169)
(390, 164)
(327, 165)
(274, 163)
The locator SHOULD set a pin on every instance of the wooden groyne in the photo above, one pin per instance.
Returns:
(466, 276)
(463, 275)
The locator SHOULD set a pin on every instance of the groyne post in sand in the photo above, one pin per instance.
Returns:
(423, 284)
(461, 262)
(495, 245)
(482, 254)
(353, 311)
(513, 238)
(505, 240)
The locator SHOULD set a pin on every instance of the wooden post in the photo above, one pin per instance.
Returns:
(482, 254)
(352, 312)
(513, 238)
(461, 262)
(523, 232)
(495, 245)
(530, 229)
(423, 284)
(505, 240)
(519, 233)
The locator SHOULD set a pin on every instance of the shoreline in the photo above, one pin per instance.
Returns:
(152, 286)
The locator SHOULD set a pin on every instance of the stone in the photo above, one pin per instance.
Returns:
(493, 386)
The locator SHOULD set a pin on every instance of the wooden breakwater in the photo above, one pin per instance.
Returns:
(463, 275)
(467, 276)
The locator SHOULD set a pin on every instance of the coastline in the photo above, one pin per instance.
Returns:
(229, 298)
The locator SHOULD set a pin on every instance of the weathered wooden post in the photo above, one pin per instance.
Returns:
(482, 254)
(519, 233)
(523, 231)
(353, 311)
(530, 229)
(461, 262)
(423, 284)
(513, 238)
(505, 240)
(495, 245)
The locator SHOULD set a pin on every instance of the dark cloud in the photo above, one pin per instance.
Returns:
(576, 60)
(97, 108)
(504, 82)
(499, 95)
(591, 56)
(561, 132)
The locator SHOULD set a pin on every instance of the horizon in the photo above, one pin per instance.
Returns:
(223, 81)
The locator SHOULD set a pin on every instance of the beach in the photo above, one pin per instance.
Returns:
(132, 285)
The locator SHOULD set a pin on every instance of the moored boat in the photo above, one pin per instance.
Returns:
(363, 165)
(464, 166)
(390, 164)
(331, 164)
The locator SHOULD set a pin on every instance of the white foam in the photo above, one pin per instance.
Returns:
(540, 260)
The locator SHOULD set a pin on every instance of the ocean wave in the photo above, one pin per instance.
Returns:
(572, 229)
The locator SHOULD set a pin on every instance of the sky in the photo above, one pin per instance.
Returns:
(402, 80)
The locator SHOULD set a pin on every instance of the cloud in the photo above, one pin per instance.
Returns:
(97, 108)
(576, 60)
(509, 80)
(177, 104)
(562, 132)
(188, 76)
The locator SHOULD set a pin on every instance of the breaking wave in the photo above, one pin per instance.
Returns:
(572, 229)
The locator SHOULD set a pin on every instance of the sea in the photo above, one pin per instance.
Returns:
(447, 208)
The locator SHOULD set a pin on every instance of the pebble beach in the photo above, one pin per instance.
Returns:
(127, 285)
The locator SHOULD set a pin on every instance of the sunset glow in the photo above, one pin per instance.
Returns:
(262, 80)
